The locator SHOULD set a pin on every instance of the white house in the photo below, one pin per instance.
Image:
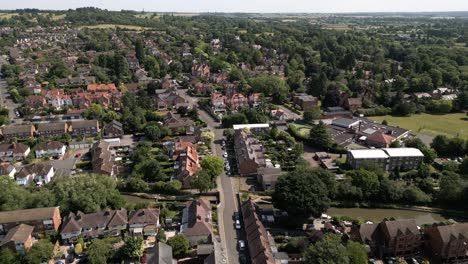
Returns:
(35, 173)
(13, 152)
(53, 149)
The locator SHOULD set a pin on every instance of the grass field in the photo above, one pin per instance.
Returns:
(7, 15)
(303, 130)
(104, 26)
(450, 125)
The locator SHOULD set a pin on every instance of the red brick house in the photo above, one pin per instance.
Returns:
(93, 88)
(35, 102)
(18, 239)
(44, 220)
(201, 70)
(18, 131)
(448, 244)
(352, 104)
(54, 129)
(379, 140)
(249, 153)
(197, 225)
(305, 101)
(237, 100)
(187, 164)
(401, 237)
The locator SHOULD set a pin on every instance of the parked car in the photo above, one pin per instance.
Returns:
(225, 155)
(241, 245)
(238, 224)
(78, 155)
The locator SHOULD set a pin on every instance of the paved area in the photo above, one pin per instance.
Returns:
(5, 98)
(290, 114)
(228, 205)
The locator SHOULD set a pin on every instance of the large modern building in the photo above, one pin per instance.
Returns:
(388, 158)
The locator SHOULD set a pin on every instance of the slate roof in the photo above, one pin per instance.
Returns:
(197, 224)
(15, 129)
(50, 145)
(401, 227)
(19, 233)
(15, 147)
(145, 215)
(27, 215)
(448, 233)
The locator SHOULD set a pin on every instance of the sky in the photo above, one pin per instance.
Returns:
(257, 6)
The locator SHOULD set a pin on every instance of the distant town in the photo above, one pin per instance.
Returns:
(140, 137)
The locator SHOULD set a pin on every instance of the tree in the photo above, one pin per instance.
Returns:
(179, 244)
(233, 119)
(301, 193)
(450, 187)
(329, 250)
(139, 51)
(150, 170)
(319, 136)
(207, 137)
(86, 193)
(367, 181)
(152, 132)
(213, 165)
(356, 252)
(99, 251)
(332, 97)
(464, 167)
(95, 111)
(270, 85)
(201, 181)
(312, 113)
(133, 247)
(40, 252)
(441, 145)
(8, 257)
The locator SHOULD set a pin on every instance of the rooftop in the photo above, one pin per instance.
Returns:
(368, 153)
(403, 152)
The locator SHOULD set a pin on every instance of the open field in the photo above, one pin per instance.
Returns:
(104, 26)
(449, 124)
(303, 130)
(7, 15)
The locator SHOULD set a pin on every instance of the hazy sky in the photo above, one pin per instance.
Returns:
(327, 6)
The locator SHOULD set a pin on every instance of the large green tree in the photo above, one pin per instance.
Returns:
(319, 136)
(179, 244)
(133, 247)
(329, 250)
(301, 193)
(40, 252)
(99, 251)
(213, 165)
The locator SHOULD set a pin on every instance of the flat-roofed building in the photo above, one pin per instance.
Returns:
(404, 158)
(356, 157)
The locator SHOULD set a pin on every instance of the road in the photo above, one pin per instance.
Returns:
(4, 95)
(228, 204)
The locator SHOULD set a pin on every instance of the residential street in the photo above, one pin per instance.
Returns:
(228, 205)
(4, 100)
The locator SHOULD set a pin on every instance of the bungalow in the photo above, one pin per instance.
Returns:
(54, 129)
(13, 152)
(52, 148)
(144, 221)
(18, 239)
(114, 129)
(18, 131)
(196, 222)
(40, 174)
(86, 128)
(93, 225)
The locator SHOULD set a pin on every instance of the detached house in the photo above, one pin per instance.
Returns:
(53, 148)
(217, 102)
(95, 225)
(196, 222)
(13, 152)
(237, 100)
(255, 99)
(165, 101)
(305, 101)
(35, 173)
(93, 88)
(144, 221)
(201, 70)
(18, 131)
(178, 124)
(35, 102)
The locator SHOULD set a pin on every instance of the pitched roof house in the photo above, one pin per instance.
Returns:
(18, 239)
(201, 70)
(380, 140)
(237, 100)
(186, 164)
(53, 129)
(169, 100)
(40, 173)
(109, 87)
(44, 220)
(267, 177)
(161, 253)
(18, 131)
(144, 221)
(257, 236)
(8, 170)
(85, 128)
(35, 102)
(102, 159)
(249, 153)
(401, 237)
(13, 152)
(178, 124)
(449, 243)
(196, 222)
(114, 129)
(50, 148)
(93, 225)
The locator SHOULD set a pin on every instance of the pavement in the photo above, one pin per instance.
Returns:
(290, 114)
(5, 97)
(228, 205)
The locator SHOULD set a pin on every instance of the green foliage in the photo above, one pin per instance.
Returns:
(133, 247)
(270, 85)
(356, 252)
(40, 252)
(301, 193)
(179, 244)
(212, 165)
(150, 170)
(312, 113)
(86, 193)
(99, 251)
(365, 180)
(8, 257)
(202, 181)
(319, 136)
(329, 250)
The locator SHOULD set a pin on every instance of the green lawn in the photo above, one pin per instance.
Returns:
(303, 130)
(449, 124)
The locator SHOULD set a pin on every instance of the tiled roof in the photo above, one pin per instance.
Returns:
(27, 215)
(19, 233)
(146, 215)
